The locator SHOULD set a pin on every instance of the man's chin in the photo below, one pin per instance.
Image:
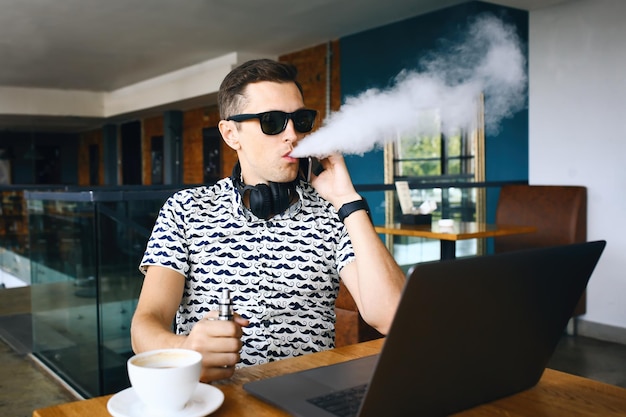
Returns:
(290, 174)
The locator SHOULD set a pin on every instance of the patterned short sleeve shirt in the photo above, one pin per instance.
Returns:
(283, 273)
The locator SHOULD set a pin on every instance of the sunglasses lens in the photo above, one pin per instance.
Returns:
(273, 122)
(303, 120)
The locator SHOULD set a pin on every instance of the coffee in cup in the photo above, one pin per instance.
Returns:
(165, 379)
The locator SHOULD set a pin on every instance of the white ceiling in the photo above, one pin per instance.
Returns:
(103, 45)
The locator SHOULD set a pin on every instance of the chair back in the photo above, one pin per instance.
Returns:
(559, 212)
(350, 328)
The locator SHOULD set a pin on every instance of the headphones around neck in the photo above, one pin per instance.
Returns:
(266, 200)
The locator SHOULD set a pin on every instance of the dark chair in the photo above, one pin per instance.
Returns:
(559, 212)
(350, 327)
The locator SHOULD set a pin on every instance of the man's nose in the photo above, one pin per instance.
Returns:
(290, 133)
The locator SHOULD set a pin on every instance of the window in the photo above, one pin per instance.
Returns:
(432, 163)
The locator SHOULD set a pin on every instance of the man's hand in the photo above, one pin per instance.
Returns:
(334, 183)
(219, 342)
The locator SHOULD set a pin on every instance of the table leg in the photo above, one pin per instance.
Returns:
(448, 249)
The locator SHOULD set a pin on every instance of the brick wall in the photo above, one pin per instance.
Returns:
(311, 64)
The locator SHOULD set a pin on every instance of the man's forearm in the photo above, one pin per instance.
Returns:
(379, 278)
(147, 333)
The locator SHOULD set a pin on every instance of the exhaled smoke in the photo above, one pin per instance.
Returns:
(443, 95)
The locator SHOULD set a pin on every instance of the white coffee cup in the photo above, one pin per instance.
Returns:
(165, 379)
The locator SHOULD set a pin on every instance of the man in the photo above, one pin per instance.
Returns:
(278, 243)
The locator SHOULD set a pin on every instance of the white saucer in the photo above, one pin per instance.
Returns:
(206, 399)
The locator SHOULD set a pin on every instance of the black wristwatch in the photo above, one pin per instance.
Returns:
(349, 208)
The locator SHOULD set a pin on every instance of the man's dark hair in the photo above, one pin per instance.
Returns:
(230, 97)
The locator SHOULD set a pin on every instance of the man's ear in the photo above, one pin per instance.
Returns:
(230, 134)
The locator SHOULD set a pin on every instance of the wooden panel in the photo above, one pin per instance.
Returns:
(152, 127)
(86, 140)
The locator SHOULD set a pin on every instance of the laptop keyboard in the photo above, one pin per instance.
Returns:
(344, 403)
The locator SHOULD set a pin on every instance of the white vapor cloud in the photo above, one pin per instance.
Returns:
(489, 60)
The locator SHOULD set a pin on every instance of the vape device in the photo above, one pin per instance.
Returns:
(225, 305)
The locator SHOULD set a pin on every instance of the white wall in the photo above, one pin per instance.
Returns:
(577, 116)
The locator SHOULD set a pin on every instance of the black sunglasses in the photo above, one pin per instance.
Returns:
(275, 121)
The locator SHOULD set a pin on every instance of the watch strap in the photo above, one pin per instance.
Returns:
(349, 208)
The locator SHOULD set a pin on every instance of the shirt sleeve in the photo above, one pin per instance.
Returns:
(167, 245)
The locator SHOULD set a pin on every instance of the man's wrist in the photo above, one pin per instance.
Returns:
(348, 208)
(338, 202)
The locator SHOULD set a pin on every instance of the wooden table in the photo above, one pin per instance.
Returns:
(557, 394)
(449, 235)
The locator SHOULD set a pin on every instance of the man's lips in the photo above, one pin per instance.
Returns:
(289, 157)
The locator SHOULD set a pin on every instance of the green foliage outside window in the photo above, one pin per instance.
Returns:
(422, 156)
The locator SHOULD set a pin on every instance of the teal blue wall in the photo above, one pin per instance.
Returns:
(374, 57)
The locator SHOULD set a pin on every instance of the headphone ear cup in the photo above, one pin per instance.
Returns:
(260, 200)
(281, 197)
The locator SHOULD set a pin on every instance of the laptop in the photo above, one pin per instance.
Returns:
(467, 331)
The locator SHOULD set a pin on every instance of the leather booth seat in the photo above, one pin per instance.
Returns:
(559, 212)
(350, 327)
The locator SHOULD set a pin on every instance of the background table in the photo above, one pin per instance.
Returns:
(449, 235)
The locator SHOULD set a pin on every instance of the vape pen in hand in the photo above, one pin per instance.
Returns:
(225, 305)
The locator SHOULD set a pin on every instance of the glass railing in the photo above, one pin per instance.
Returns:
(85, 248)
(14, 242)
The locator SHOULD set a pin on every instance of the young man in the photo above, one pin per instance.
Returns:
(278, 243)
